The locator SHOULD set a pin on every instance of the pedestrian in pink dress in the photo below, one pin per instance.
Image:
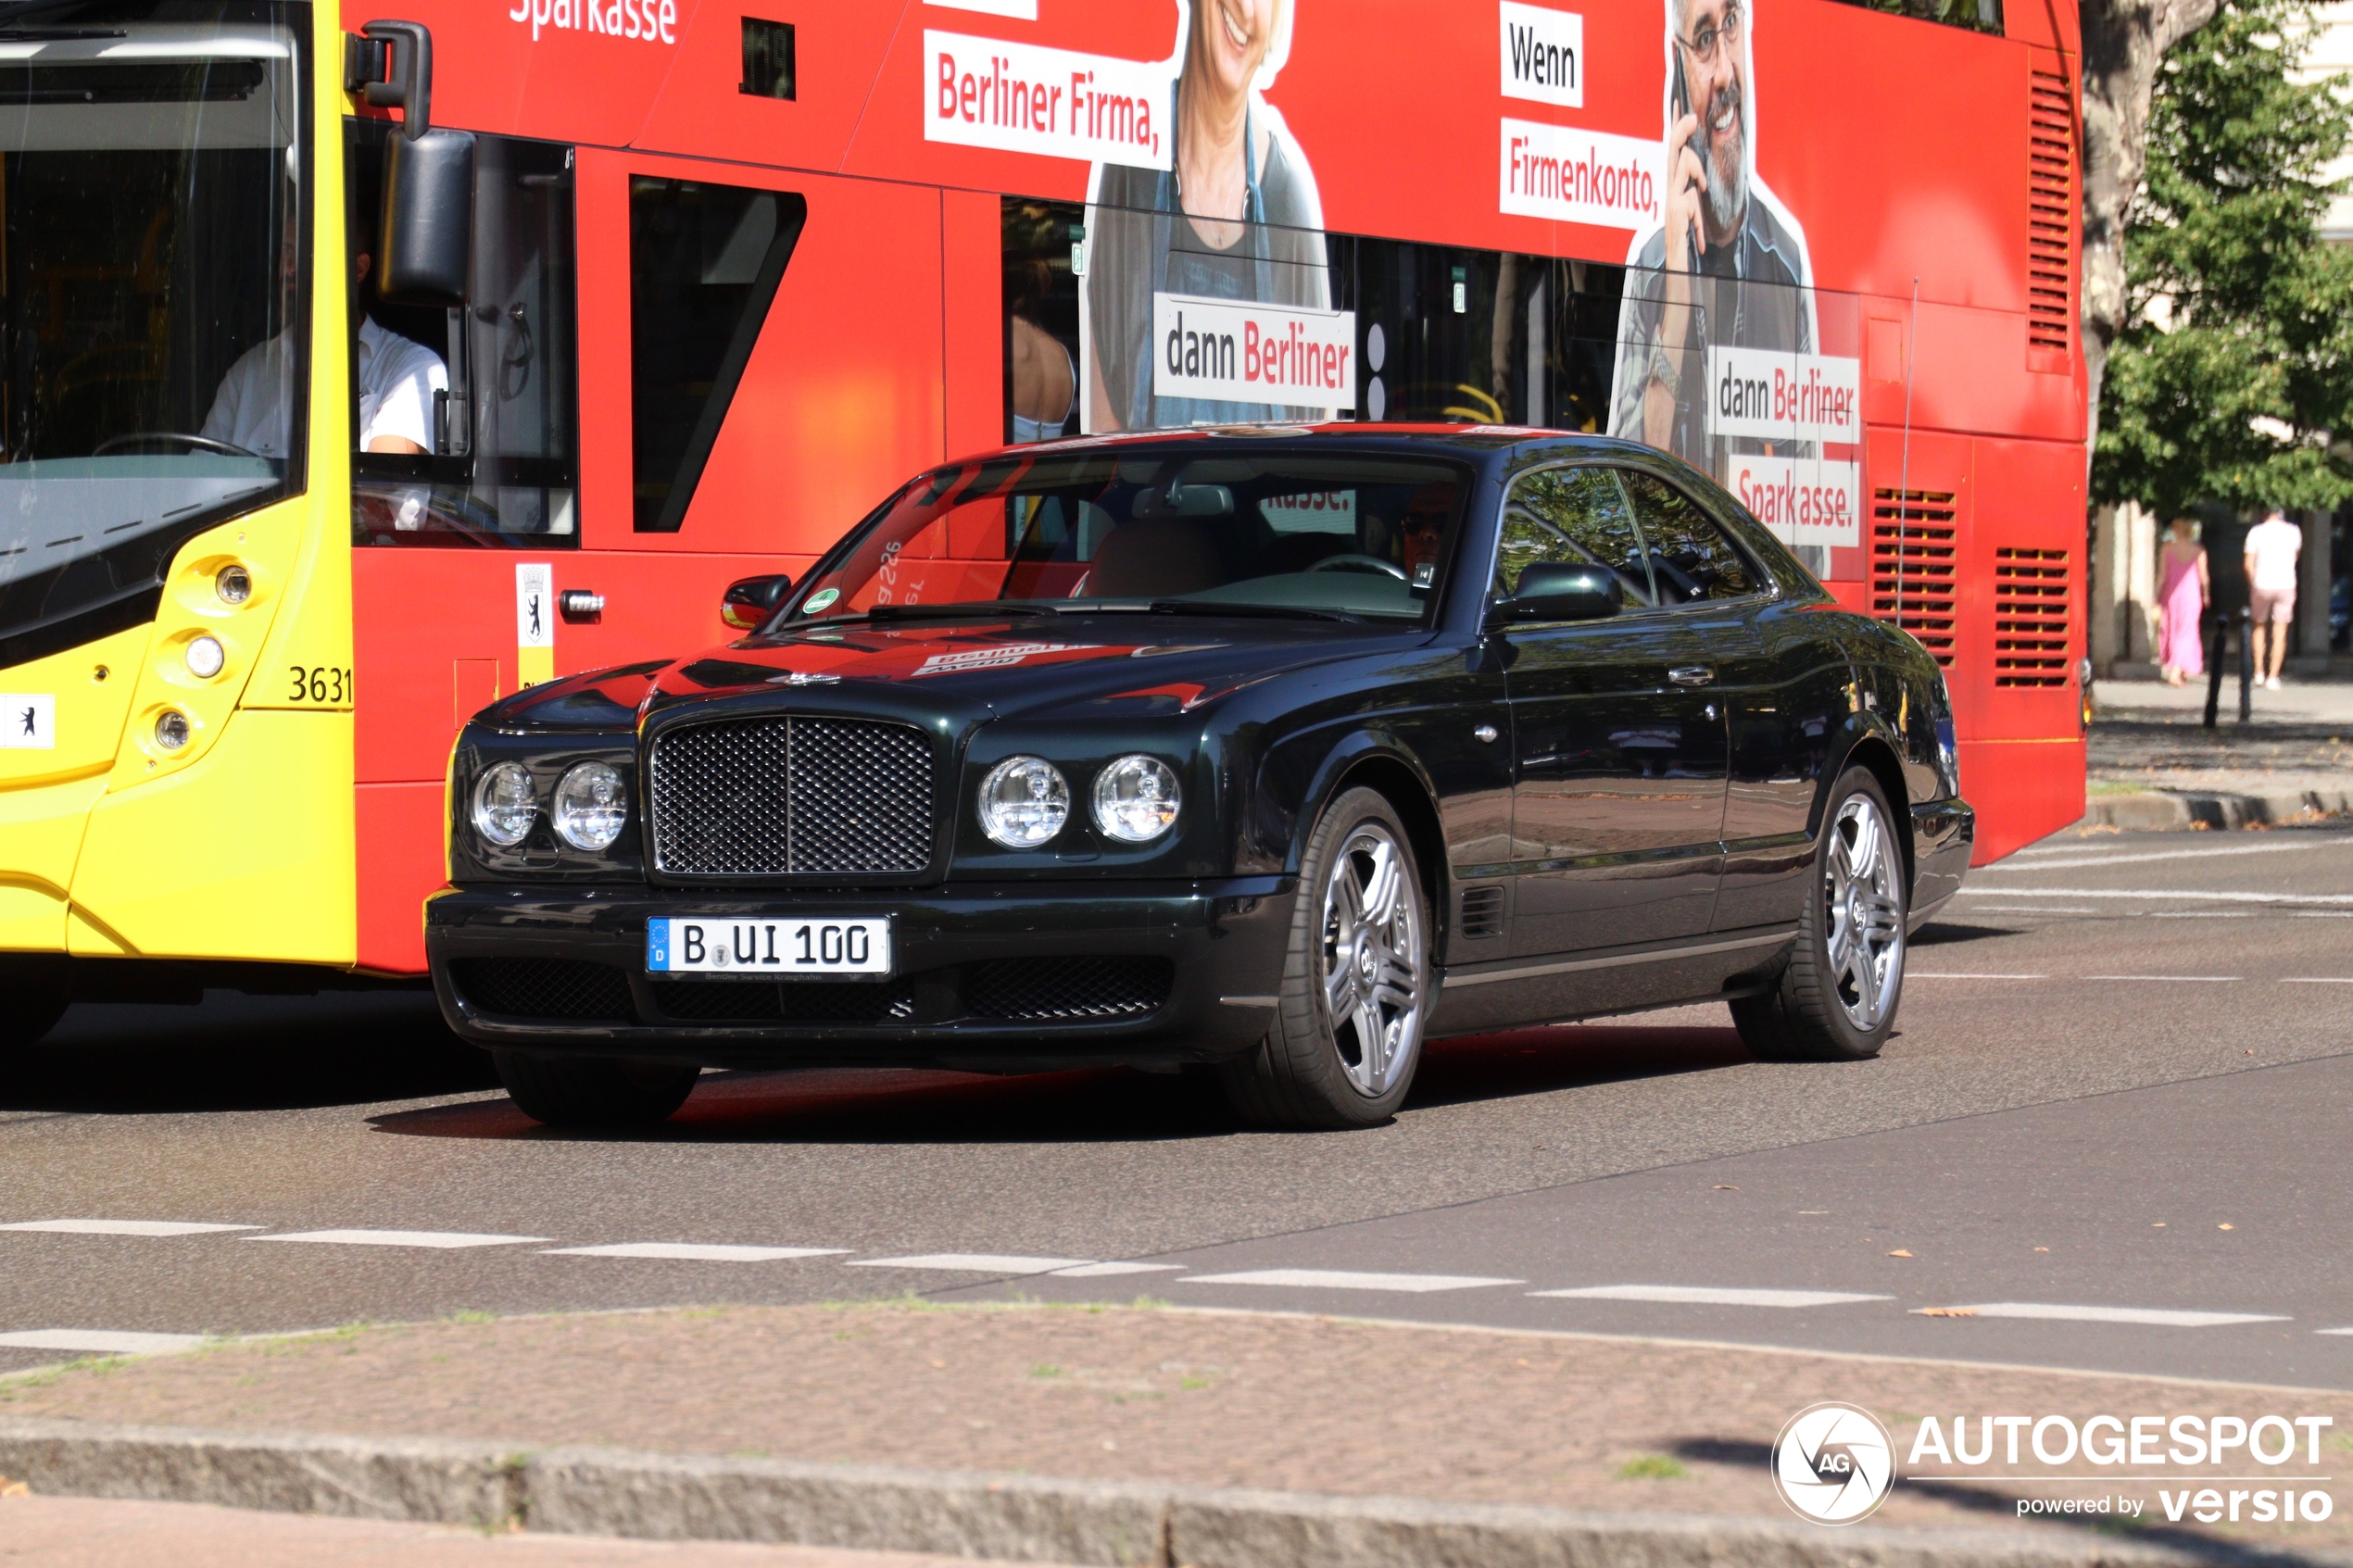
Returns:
(2181, 598)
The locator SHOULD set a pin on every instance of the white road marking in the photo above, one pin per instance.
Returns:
(1344, 1279)
(2026, 909)
(2192, 895)
(123, 1227)
(1105, 1271)
(2317, 980)
(2333, 1331)
(2202, 979)
(99, 1341)
(2161, 1317)
(1708, 1296)
(694, 1252)
(2135, 859)
(448, 1240)
(975, 1264)
(1923, 974)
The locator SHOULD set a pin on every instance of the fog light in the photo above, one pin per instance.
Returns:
(206, 658)
(503, 805)
(592, 806)
(1024, 802)
(1136, 800)
(171, 728)
(234, 586)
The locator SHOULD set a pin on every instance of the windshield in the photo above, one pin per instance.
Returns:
(1311, 534)
(150, 160)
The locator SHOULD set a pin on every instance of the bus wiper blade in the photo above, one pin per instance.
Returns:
(55, 34)
(1278, 613)
(1007, 609)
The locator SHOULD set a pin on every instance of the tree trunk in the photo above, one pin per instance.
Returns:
(2123, 42)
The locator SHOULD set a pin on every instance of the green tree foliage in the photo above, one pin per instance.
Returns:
(2235, 366)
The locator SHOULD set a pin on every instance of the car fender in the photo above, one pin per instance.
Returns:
(1291, 769)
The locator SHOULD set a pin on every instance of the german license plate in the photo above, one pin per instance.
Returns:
(785, 947)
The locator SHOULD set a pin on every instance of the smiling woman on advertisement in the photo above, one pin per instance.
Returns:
(1236, 216)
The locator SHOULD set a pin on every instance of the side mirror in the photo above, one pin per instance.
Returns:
(426, 241)
(749, 602)
(1556, 591)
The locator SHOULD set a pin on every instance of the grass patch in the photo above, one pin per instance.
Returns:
(1045, 1369)
(1652, 1467)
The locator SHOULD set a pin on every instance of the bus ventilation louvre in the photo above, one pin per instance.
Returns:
(1912, 566)
(2030, 617)
(2051, 217)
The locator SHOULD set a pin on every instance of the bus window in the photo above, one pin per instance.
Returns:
(464, 423)
(1045, 248)
(704, 264)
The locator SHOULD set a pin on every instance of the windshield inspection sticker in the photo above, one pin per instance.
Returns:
(28, 721)
(823, 600)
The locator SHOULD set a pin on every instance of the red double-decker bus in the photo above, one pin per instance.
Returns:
(405, 361)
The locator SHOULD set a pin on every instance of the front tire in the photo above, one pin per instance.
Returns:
(602, 1092)
(1356, 982)
(1836, 1000)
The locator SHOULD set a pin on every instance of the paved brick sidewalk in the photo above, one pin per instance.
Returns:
(1182, 1396)
(84, 1533)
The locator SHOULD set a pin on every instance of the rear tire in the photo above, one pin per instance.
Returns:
(594, 1091)
(1356, 982)
(1836, 999)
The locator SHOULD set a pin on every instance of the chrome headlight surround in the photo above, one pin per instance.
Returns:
(591, 806)
(1137, 799)
(505, 804)
(1024, 801)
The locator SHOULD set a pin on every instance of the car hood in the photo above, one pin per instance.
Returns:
(1063, 667)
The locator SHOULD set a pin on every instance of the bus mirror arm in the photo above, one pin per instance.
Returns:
(411, 90)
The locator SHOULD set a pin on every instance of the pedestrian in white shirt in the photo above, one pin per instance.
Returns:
(398, 380)
(2271, 549)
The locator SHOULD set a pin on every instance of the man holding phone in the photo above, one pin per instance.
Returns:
(1728, 266)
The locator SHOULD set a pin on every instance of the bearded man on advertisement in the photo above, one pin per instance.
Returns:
(1728, 267)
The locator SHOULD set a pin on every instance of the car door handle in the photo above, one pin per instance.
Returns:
(1692, 674)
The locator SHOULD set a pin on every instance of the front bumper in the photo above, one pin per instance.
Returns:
(1001, 976)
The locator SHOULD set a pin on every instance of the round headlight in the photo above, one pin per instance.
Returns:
(171, 728)
(234, 584)
(592, 806)
(503, 805)
(1136, 800)
(206, 658)
(1024, 802)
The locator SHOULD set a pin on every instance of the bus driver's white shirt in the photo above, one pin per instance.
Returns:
(397, 379)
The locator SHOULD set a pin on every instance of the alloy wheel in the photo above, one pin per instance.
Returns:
(1373, 960)
(1862, 895)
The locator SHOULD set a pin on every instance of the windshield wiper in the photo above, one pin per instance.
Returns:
(1007, 609)
(1279, 612)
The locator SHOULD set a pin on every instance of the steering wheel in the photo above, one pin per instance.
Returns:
(144, 440)
(1359, 563)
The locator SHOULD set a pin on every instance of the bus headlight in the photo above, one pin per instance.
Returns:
(233, 584)
(503, 805)
(171, 728)
(1136, 800)
(1024, 802)
(205, 658)
(592, 806)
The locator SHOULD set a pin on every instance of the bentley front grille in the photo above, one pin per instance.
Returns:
(792, 797)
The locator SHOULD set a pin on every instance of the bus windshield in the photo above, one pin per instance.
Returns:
(1319, 534)
(151, 158)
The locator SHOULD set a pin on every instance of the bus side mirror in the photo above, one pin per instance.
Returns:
(425, 244)
(750, 601)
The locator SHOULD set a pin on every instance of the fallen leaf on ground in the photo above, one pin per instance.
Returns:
(1948, 1311)
(1899, 1252)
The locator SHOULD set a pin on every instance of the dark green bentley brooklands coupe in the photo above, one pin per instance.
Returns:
(1273, 752)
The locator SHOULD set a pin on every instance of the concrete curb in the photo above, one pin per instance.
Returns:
(1015, 1518)
(2163, 809)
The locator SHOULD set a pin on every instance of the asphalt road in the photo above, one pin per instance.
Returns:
(2113, 1123)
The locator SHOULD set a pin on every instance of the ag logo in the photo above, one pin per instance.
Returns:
(1834, 1463)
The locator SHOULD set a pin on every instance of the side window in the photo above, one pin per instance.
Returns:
(1575, 516)
(704, 264)
(465, 422)
(1691, 558)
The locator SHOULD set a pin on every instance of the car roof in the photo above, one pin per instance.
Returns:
(1477, 441)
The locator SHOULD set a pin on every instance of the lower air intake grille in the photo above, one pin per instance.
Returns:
(1068, 990)
(1482, 911)
(769, 1001)
(543, 988)
(792, 797)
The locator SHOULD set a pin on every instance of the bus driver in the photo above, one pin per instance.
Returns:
(396, 377)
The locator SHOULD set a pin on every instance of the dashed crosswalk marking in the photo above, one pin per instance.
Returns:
(98, 1341)
(977, 1263)
(2192, 894)
(2160, 1317)
(1107, 1270)
(694, 1252)
(438, 1240)
(123, 1227)
(1346, 1279)
(1919, 974)
(1711, 1296)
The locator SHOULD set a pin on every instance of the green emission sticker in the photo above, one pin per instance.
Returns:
(823, 600)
